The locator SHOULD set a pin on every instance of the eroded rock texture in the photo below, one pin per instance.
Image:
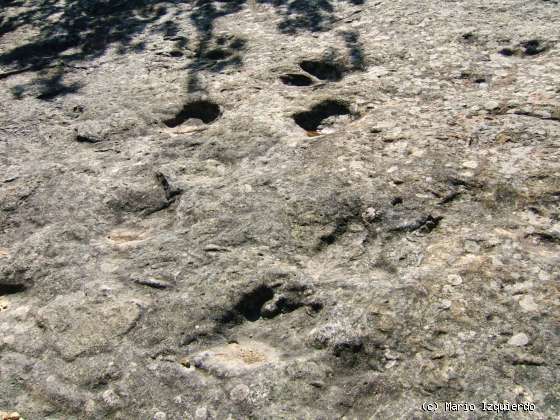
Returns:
(278, 209)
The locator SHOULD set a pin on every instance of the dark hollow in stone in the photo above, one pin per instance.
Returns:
(205, 111)
(469, 37)
(351, 346)
(283, 306)
(250, 305)
(293, 79)
(322, 70)
(533, 47)
(310, 120)
(218, 54)
(175, 53)
(508, 52)
(80, 138)
(423, 224)
(10, 289)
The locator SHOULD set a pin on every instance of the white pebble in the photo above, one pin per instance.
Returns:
(455, 279)
(445, 304)
(519, 340)
(201, 413)
(239, 393)
(491, 105)
(111, 398)
(470, 164)
(528, 304)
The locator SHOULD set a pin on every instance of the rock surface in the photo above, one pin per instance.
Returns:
(278, 209)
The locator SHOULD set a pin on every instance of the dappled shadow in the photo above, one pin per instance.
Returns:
(355, 50)
(309, 15)
(75, 30)
(305, 15)
(210, 53)
(297, 16)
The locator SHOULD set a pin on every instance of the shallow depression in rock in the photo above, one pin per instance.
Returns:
(11, 289)
(323, 70)
(205, 111)
(294, 79)
(312, 120)
(218, 54)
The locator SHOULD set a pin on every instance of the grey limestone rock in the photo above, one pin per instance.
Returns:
(278, 209)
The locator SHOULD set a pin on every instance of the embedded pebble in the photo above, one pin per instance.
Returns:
(111, 398)
(370, 214)
(3, 303)
(201, 413)
(445, 304)
(528, 304)
(160, 415)
(491, 105)
(455, 279)
(10, 416)
(519, 340)
(470, 164)
(239, 393)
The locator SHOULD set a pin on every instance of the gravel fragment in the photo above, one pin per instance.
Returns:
(519, 340)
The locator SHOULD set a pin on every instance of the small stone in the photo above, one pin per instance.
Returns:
(455, 279)
(445, 304)
(392, 135)
(528, 304)
(390, 364)
(491, 105)
(111, 398)
(90, 407)
(3, 304)
(154, 283)
(160, 415)
(214, 248)
(375, 364)
(544, 276)
(201, 413)
(472, 247)
(520, 358)
(519, 340)
(8, 340)
(370, 215)
(503, 137)
(390, 355)
(470, 164)
(186, 362)
(239, 393)
(90, 132)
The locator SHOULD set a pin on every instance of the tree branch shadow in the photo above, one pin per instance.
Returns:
(77, 30)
